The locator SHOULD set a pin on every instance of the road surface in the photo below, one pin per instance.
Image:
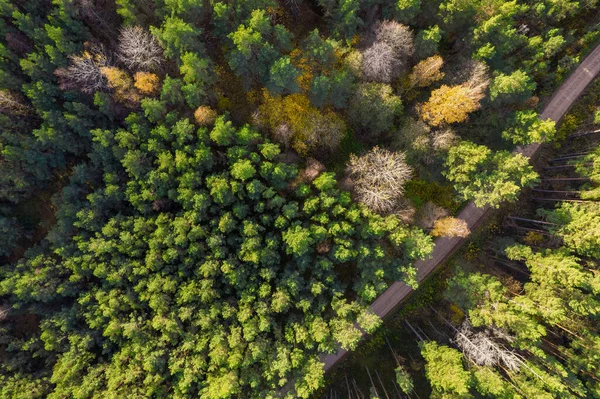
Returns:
(558, 106)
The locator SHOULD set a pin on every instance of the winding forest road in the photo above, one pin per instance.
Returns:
(558, 106)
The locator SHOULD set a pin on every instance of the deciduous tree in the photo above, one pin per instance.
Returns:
(205, 116)
(450, 227)
(374, 109)
(448, 105)
(139, 50)
(486, 177)
(122, 85)
(147, 83)
(379, 178)
(517, 86)
(84, 72)
(526, 128)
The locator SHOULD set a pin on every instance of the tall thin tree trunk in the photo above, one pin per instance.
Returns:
(414, 331)
(382, 386)
(348, 386)
(531, 220)
(372, 383)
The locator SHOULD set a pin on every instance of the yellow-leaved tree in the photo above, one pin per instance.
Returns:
(122, 85)
(147, 83)
(205, 116)
(426, 72)
(449, 104)
(294, 122)
(453, 104)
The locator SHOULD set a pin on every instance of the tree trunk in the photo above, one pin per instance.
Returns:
(565, 166)
(565, 178)
(557, 191)
(534, 230)
(531, 220)
(583, 134)
(570, 156)
(414, 331)
(372, 383)
(382, 386)
(557, 199)
(348, 386)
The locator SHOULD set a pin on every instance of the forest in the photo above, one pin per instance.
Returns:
(514, 315)
(202, 198)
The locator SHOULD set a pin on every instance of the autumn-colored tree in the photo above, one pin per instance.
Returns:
(426, 72)
(450, 227)
(205, 116)
(452, 104)
(122, 85)
(147, 83)
(449, 104)
(295, 122)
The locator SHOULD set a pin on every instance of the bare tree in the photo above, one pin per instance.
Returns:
(396, 35)
(380, 63)
(84, 71)
(473, 75)
(5, 308)
(12, 104)
(138, 49)
(283, 135)
(426, 72)
(478, 80)
(482, 348)
(387, 57)
(443, 140)
(379, 178)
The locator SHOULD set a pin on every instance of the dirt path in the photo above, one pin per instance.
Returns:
(558, 106)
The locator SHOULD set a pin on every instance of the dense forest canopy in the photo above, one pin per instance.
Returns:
(198, 198)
